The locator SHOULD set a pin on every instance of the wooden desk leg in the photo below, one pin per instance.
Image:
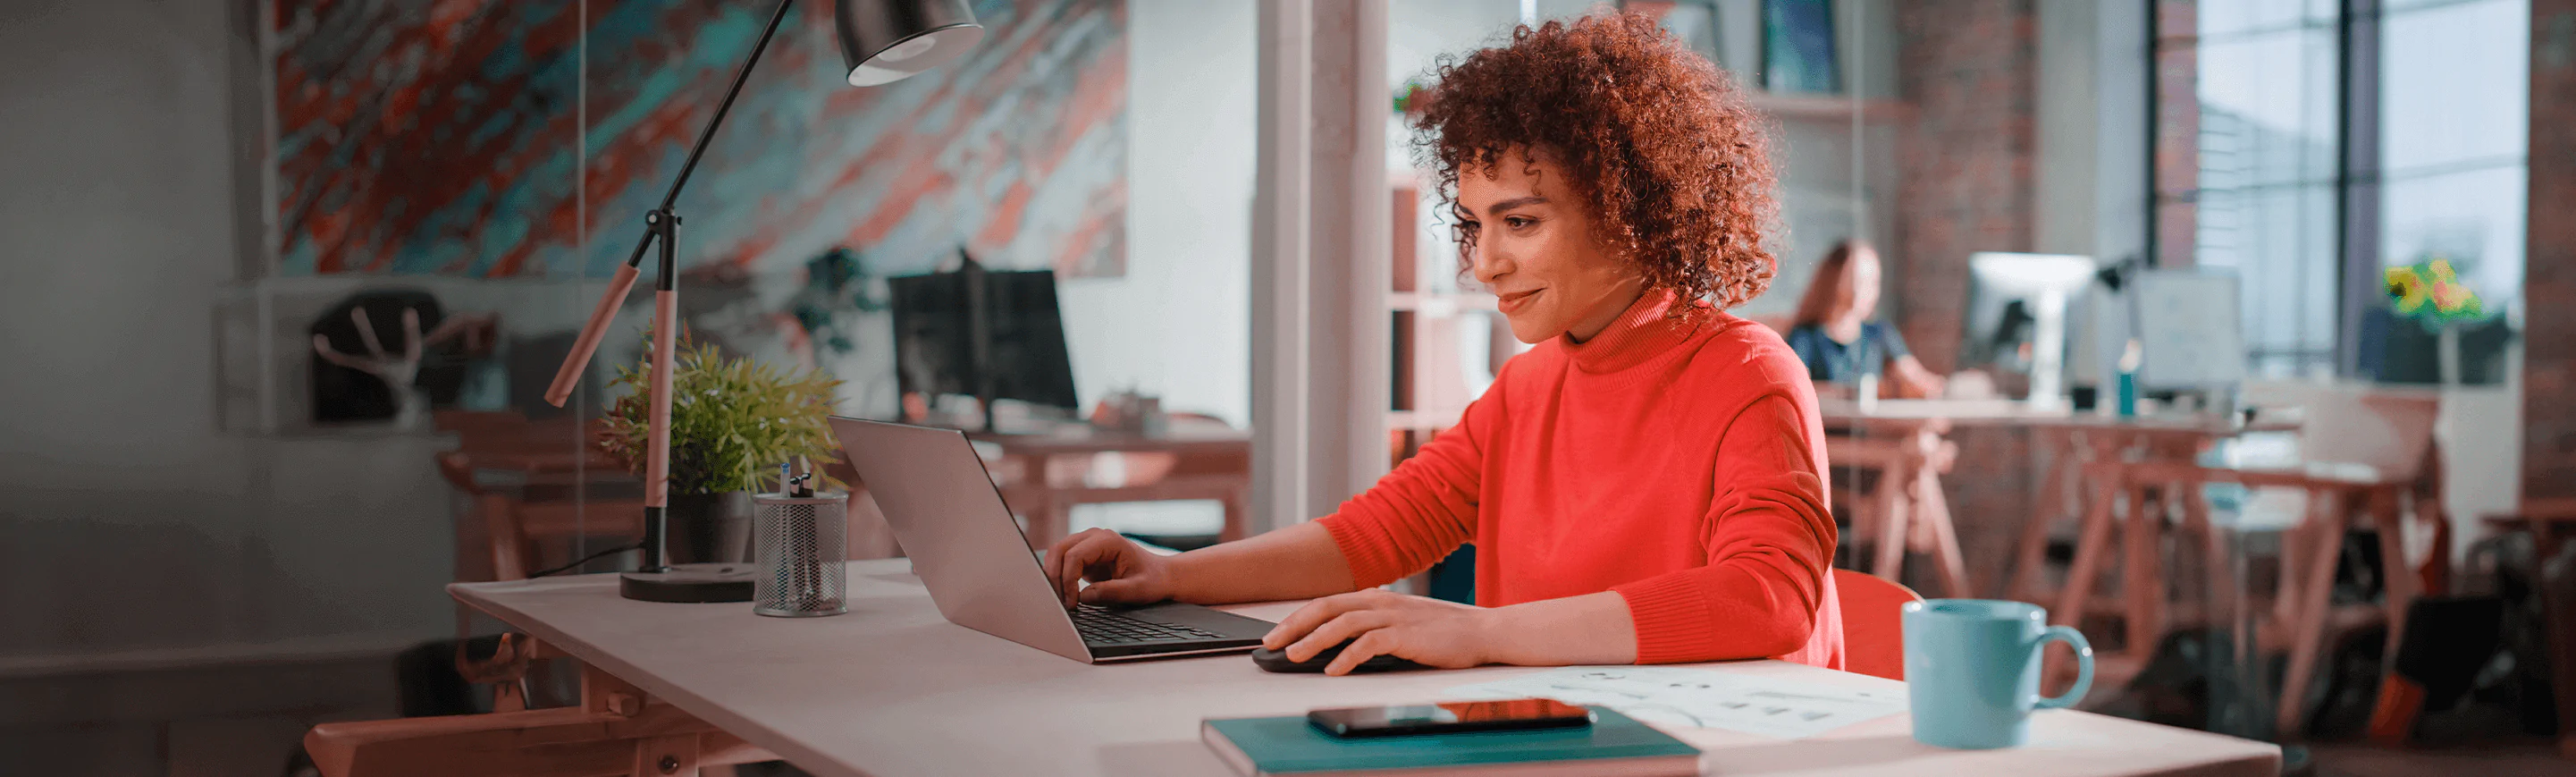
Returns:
(2401, 701)
(1864, 522)
(2143, 573)
(1036, 501)
(2295, 542)
(1892, 515)
(2030, 554)
(2403, 585)
(1933, 508)
(1050, 522)
(509, 546)
(2213, 547)
(2090, 547)
(2315, 594)
(2073, 599)
(1238, 516)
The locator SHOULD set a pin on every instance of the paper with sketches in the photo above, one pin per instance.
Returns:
(1701, 698)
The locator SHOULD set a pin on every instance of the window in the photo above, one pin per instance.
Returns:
(2455, 86)
(2306, 144)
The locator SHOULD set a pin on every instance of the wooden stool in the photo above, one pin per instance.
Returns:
(618, 730)
(531, 482)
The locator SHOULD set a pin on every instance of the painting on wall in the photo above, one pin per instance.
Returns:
(1798, 47)
(446, 138)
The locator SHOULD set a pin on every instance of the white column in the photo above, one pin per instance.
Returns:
(1350, 272)
(1279, 292)
(1320, 257)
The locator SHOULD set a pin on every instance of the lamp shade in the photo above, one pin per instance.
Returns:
(885, 41)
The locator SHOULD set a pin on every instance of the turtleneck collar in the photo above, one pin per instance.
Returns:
(1639, 335)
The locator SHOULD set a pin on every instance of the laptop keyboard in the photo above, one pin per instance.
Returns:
(1102, 626)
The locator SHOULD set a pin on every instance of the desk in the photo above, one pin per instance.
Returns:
(1904, 440)
(2077, 439)
(1840, 412)
(1044, 475)
(522, 498)
(891, 689)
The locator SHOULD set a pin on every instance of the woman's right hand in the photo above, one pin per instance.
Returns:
(1120, 571)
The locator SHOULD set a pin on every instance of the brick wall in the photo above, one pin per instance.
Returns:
(1967, 68)
(1966, 183)
(2549, 288)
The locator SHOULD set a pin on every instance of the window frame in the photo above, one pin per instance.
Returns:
(2358, 180)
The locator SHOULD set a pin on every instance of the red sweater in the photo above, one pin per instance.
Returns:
(1678, 464)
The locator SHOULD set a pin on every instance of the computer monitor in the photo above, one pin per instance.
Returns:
(2189, 329)
(2015, 321)
(981, 333)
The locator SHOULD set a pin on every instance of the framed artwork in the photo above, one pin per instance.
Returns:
(482, 138)
(1798, 47)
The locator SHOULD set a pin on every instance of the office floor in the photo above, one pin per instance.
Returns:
(2524, 758)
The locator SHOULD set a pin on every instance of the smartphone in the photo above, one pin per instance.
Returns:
(1449, 717)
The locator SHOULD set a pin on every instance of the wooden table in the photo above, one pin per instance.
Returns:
(891, 689)
(2077, 439)
(1044, 475)
(2088, 455)
(2080, 443)
(1905, 441)
(1844, 412)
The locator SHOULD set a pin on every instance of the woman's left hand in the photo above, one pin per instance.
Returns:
(1377, 622)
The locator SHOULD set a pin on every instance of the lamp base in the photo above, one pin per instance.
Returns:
(689, 584)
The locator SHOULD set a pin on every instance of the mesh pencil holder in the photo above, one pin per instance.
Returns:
(799, 545)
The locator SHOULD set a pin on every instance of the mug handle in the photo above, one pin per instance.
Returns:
(2083, 665)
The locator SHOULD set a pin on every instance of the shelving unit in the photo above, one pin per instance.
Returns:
(1826, 106)
(1432, 323)
(1435, 329)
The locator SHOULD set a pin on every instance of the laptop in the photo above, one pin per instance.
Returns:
(970, 553)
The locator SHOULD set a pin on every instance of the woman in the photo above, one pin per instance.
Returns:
(1834, 335)
(1642, 486)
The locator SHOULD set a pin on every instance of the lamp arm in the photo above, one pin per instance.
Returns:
(739, 76)
(657, 227)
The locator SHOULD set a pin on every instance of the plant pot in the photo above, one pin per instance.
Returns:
(708, 528)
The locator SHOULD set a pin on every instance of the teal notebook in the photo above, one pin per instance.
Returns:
(1613, 745)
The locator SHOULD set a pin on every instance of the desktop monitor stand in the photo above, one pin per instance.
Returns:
(2047, 352)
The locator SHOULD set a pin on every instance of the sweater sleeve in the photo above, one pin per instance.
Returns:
(1769, 539)
(1415, 515)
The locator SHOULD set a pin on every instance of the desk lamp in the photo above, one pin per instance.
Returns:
(883, 41)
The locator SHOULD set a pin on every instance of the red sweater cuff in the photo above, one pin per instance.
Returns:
(1371, 558)
(1668, 611)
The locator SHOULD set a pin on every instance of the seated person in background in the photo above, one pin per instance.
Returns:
(1834, 335)
(1643, 486)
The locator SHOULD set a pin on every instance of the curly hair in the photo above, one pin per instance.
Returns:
(1658, 143)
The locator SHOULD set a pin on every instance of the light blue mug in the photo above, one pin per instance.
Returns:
(1972, 670)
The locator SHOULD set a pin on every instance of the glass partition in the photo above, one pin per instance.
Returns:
(1056, 224)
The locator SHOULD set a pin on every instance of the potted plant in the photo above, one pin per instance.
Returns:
(733, 421)
(2431, 294)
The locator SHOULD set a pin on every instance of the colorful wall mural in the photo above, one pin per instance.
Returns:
(444, 137)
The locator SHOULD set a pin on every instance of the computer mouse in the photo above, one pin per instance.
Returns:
(1277, 661)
